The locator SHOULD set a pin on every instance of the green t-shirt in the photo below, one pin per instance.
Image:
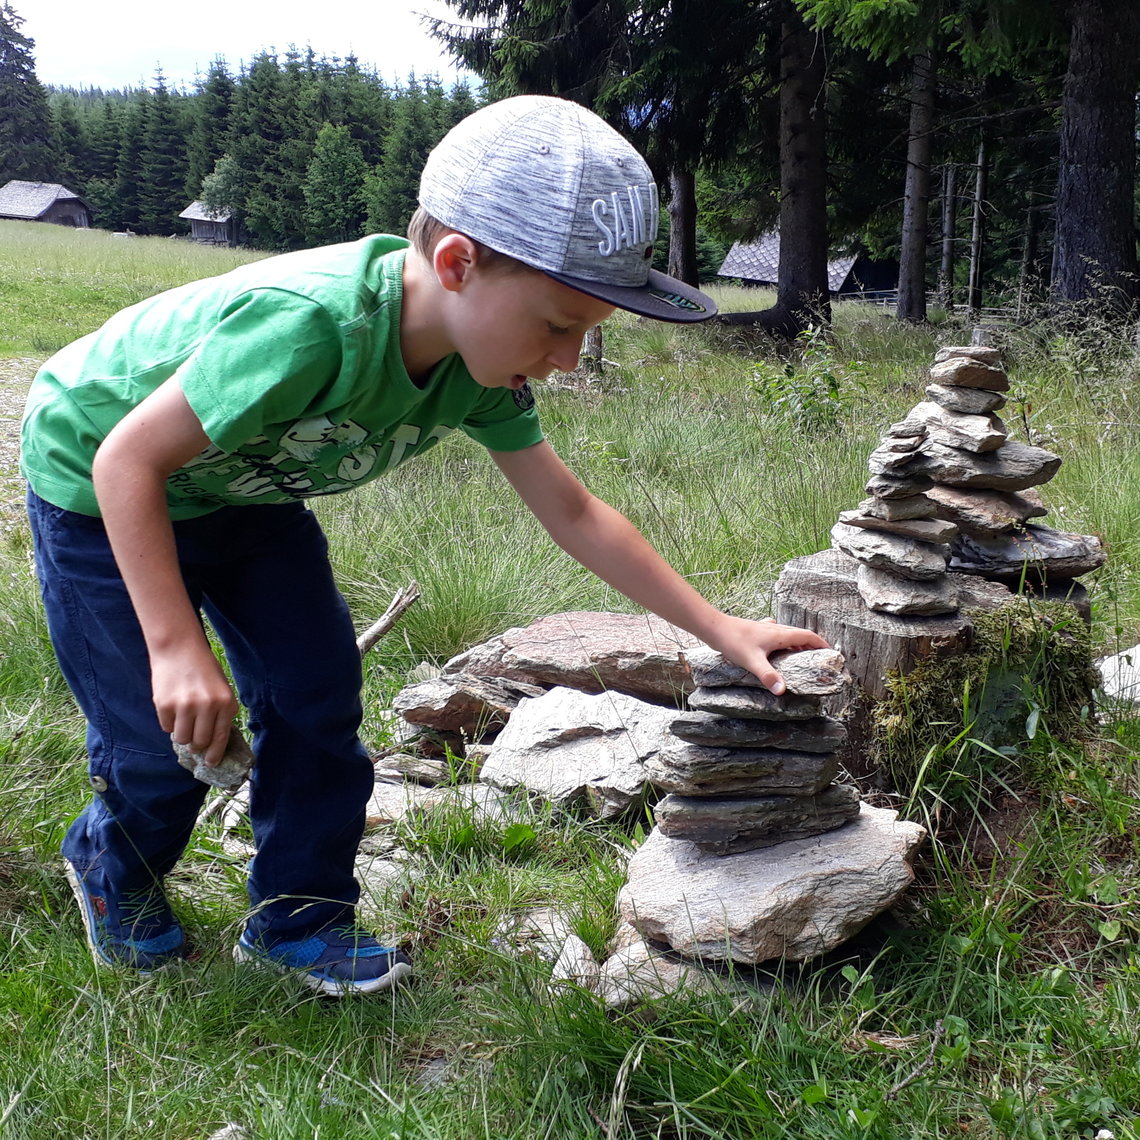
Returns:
(293, 366)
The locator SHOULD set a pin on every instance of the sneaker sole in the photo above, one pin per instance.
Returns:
(329, 987)
(88, 918)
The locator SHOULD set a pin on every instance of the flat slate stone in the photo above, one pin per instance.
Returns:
(462, 703)
(884, 461)
(723, 825)
(894, 510)
(898, 485)
(1013, 467)
(806, 672)
(817, 734)
(1038, 552)
(979, 433)
(691, 770)
(887, 594)
(753, 704)
(962, 372)
(984, 353)
(925, 530)
(906, 557)
(972, 401)
(986, 514)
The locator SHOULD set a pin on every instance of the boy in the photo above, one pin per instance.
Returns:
(169, 455)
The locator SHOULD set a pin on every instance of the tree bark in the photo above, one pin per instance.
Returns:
(978, 233)
(916, 196)
(1094, 253)
(801, 291)
(683, 225)
(949, 224)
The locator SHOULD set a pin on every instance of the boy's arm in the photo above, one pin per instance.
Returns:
(192, 697)
(607, 543)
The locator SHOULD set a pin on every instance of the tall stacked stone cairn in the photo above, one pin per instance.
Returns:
(949, 490)
(757, 852)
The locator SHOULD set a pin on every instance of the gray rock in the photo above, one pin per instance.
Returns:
(393, 802)
(806, 672)
(1120, 675)
(694, 770)
(898, 485)
(794, 901)
(1013, 467)
(1037, 552)
(635, 654)
(753, 704)
(905, 557)
(980, 352)
(399, 766)
(575, 748)
(637, 974)
(541, 932)
(462, 703)
(885, 593)
(883, 461)
(229, 773)
(961, 372)
(957, 429)
(724, 825)
(575, 966)
(972, 401)
(925, 530)
(819, 734)
(894, 510)
(986, 513)
(902, 437)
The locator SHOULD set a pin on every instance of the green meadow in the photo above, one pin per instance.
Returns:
(1000, 1001)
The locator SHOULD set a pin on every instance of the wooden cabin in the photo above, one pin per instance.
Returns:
(210, 227)
(44, 202)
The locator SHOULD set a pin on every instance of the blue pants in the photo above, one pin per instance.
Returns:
(261, 576)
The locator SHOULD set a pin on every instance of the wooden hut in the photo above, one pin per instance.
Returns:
(44, 202)
(209, 226)
(852, 275)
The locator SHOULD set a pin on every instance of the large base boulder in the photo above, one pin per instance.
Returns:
(794, 901)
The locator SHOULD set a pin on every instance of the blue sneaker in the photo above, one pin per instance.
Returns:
(137, 929)
(335, 962)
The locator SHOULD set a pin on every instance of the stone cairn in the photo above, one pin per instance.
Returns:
(950, 491)
(751, 769)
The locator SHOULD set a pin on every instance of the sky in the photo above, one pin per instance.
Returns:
(120, 43)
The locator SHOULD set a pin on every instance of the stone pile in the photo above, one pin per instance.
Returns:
(750, 769)
(949, 491)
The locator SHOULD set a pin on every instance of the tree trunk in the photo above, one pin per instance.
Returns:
(1094, 254)
(949, 224)
(683, 225)
(1029, 279)
(916, 196)
(978, 234)
(801, 290)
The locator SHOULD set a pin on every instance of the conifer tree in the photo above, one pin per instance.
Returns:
(124, 203)
(73, 144)
(334, 188)
(210, 123)
(162, 164)
(392, 190)
(26, 145)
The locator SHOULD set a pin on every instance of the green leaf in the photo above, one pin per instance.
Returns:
(518, 835)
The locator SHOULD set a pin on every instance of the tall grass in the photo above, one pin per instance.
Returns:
(999, 1001)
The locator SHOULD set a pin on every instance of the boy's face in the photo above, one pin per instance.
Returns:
(512, 324)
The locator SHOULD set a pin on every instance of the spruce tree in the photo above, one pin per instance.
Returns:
(334, 188)
(392, 190)
(124, 205)
(210, 124)
(27, 148)
(162, 164)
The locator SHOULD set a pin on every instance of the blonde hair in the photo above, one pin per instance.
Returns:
(424, 232)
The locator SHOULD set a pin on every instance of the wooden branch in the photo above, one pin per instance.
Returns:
(400, 602)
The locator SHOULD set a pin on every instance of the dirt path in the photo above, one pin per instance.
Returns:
(15, 376)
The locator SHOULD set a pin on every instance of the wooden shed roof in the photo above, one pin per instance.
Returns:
(759, 260)
(198, 212)
(32, 200)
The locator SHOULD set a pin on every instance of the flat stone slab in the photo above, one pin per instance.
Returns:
(978, 433)
(923, 530)
(898, 509)
(637, 973)
(806, 672)
(816, 734)
(795, 901)
(972, 401)
(885, 593)
(588, 650)
(725, 825)
(984, 513)
(898, 485)
(1013, 467)
(463, 703)
(1037, 552)
(580, 749)
(906, 557)
(966, 372)
(984, 353)
(753, 704)
(692, 770)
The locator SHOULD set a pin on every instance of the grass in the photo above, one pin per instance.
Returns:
(1000, 1001)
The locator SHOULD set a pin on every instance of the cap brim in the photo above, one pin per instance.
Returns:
(662, 297)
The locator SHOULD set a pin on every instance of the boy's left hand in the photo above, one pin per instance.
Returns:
(748, 644)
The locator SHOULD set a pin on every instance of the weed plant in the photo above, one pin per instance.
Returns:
(1000, 1001)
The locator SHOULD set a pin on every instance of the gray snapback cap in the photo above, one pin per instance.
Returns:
(549, 183)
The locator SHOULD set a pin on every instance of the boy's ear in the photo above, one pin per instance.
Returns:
(454, 259)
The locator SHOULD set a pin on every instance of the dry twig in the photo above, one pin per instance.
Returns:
(400, 602)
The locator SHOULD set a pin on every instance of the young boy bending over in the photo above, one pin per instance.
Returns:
(169, 456)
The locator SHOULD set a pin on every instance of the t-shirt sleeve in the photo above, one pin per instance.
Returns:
(504, 420)
(267, 360)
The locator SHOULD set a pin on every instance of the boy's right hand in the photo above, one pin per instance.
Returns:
(194, 701)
